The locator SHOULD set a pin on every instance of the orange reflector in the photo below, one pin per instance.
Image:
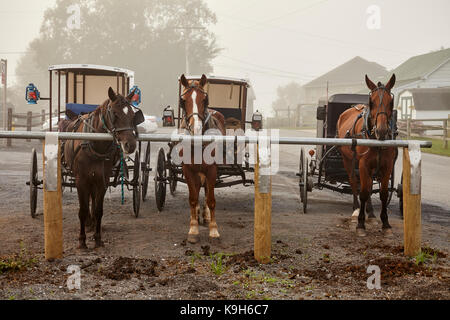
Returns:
(311, 152)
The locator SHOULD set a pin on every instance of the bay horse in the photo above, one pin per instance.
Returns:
(369, 122)
(92, 162)
(197, 118)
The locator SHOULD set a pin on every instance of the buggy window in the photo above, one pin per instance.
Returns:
(224, 95)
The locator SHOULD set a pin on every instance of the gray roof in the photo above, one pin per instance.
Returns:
(418, 67)
(351, 72)
(431, 99)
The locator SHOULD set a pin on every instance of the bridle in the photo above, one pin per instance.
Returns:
(110, 118)
(381, 108)
(203, 117)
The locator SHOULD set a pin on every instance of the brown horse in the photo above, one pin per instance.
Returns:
(369, 122)
(92, 162)
(196, 119)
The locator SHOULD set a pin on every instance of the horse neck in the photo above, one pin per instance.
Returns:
(99, 128)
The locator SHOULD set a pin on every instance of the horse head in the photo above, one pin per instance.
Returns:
(121, 120)
(381, 103)
(194, 102)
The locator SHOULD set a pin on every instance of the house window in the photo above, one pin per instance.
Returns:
(406, 103)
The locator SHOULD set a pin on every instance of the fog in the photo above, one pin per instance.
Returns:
(276, 42)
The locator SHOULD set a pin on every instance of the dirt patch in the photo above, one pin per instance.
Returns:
(125, 268)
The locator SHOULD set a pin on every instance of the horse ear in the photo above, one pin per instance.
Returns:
(131, 95)
(111, 94)
(203, 80)
(370, 84)
(391, 82)
(184, 81)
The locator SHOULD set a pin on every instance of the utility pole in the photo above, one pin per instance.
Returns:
(4, 68)
(187, 33)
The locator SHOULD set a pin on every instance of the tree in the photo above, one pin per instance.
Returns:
(140, 35)
(289, 96)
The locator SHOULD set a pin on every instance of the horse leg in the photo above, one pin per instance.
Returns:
(384, 194)
(83, 213)
(98, 213)
(364, 196)
(193, 182)
(211, 202)
(369, 208)
(206, 212)
(354, 184)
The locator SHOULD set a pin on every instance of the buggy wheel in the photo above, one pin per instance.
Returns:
(145, 172)
(160, 180)
(33, 183)
(172, 180)
(136, 184)
(391, 186)
(303, 180)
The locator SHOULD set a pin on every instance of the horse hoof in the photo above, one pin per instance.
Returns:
(193, 238)
(387, 232)
(82, 246)
(99, 244)
(372, 220)
(360, 232)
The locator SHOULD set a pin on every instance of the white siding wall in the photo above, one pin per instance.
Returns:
(439, 78)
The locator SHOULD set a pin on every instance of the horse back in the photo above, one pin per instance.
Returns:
(347, 120)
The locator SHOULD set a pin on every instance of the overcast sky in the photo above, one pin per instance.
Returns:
(275, 42)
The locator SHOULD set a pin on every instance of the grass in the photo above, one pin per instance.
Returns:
(425, 256)
(437, 148)
(217, 265)
(17, 262)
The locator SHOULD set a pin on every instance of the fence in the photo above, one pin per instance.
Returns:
(263, 190)
(24, 120)
(416, 128)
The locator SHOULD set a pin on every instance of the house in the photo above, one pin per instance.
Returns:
(346, 78)
(431, 70)
(424, 103)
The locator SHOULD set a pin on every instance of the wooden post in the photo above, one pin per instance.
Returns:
(408, 128)
(29, 122)
(263, 210)
(445, 133)
(412, 222)
(9, 126)
(53, 237)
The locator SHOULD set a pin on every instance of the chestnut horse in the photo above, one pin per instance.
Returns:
(196, 120)
(369, 122)
(92, 162)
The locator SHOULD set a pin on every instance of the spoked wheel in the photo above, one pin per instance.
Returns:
(391, 187)
(137, 180)
(172, 181)
(145, 167)
(160, 180)
(33, 183)
(303, 179)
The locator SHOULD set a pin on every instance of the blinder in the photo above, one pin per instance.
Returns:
(138, 117)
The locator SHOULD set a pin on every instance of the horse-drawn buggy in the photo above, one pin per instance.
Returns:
(323, 167)
(81, 89)
(231, 97)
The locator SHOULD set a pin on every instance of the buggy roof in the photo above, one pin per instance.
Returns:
(349, 98)
(218, 79)
(92, 69)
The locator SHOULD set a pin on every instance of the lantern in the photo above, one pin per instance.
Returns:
(136, 98)
(168, 117)
(32, 94)
(257, 121)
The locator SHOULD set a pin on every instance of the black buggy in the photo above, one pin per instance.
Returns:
(234, 99)
(323, 167)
